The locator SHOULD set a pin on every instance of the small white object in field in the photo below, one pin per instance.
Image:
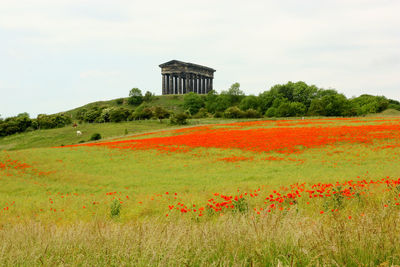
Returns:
(78, 133)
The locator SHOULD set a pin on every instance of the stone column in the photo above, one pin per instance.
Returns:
(184, 84)
(178, 84)
(190, 82)
(175, 85)
(203, 85)
(193, 83)
(211, 84)
(171, 84)
(166, 84)
(163, 84)
(200, 84)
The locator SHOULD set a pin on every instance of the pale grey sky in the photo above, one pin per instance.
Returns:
(58, 55)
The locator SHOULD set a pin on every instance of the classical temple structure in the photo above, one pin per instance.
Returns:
(182, 77)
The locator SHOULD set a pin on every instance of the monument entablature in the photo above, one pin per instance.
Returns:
(182, 77)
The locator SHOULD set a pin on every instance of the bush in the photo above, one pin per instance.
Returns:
(142, 112)
(179, 119)
(95, 136)
(135, 97)
(119, 114)
(202, 114)
(233, 113)
(115, 208)
(44, 121)
(251, 113)
(161, 113)
(192, 102)
(218, 114)
(148, 97)
(119, 101)
(271, 112)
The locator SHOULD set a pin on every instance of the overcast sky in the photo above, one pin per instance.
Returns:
(56, 55)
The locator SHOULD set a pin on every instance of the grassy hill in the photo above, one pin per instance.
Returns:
(67, 135)
(170, 102)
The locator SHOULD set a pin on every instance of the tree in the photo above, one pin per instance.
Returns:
(271, 112)
(192, 102)
(142, 112)
(135, 97)
(148, 97)
(179, 119)
(161, 113)
(233, 113)
(211, 101)
(235, 94)
(119, 114)
(249, 102)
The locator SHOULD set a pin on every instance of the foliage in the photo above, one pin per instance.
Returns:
(119, 114)
(142, 112)
(179, 118)
(95, 136)
(119, 101)
(249, 102)
(52, 121)
(148, 97)
(115, 208)
(135, 97)
(192, 102)
(202, 114)
(252, 113)
(161, 113)
(233, 113)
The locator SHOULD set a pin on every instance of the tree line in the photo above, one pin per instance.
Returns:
(282, 100)
(285, 100)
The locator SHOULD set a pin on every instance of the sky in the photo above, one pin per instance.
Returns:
(59, 55)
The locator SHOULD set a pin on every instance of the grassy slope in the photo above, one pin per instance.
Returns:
(67, 135)
(80, 232)
(170, 102)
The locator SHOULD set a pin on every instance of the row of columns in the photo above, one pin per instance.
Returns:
(182, 84)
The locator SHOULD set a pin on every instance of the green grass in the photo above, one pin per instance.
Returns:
(170, 102)
(76, 182)
(67, 135)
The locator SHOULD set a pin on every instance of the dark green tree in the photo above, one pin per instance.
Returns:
(161, 113)
(192, 102)
(249, 102)
(135, 97)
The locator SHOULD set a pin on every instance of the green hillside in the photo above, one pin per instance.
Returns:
(169, 102)
(67, 135)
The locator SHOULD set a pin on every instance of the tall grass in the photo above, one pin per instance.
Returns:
(282, 239)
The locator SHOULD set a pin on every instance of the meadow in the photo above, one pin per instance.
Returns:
(265, 193)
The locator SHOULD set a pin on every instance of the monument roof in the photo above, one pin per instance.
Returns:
(186, 64)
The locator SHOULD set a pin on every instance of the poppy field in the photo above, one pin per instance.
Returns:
(273, 192)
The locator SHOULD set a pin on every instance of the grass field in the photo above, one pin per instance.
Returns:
(281, 192)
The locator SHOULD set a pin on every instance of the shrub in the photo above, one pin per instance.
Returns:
(119, 101)
(233, 113)
(251, 113)
(95, 136)
(115, 208)
(179, 119)
(148, 97)
(218, 114)
(271, 112)
(161, 113)
(119, 114)
(202, 114)
(135, 97)
(142, 112)
(192, 102)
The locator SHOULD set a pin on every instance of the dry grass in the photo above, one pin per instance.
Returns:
(285, 239)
